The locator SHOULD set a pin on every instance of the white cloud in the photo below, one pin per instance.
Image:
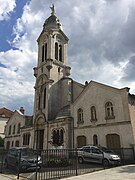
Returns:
(6, 8)
(101, 42)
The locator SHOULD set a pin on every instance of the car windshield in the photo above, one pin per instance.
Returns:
(28, 152)
(104, 149)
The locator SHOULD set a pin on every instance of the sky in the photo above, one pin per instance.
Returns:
(101, 44)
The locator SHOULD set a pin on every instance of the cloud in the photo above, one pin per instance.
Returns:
(101, 45)
(129, 71)
(6, 8)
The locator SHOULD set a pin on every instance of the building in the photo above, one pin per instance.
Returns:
(70, 114)
(67, 113)
(5, 114)
(15, 136)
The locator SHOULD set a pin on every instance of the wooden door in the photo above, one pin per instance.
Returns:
(81, 141)
(113, 141)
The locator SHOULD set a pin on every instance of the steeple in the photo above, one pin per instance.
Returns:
(52, 60)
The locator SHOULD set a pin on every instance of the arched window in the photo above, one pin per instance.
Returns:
(58, 137)
(26, 138)
(81, 141)
(80, 115)
(109, 112)
(95, 140)
(56, 51)
(14, 129)
(43, 53)
(93, 114)
(9, 132)
(18, 129)
(17, 144)
(61, 137)
(60, 53)
(44, 98)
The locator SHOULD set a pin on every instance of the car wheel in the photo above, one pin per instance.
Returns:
(80, 160)
(105, 162)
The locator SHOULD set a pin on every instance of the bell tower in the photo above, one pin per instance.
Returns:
(52, 63)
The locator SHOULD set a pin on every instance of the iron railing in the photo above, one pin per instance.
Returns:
(60, 163)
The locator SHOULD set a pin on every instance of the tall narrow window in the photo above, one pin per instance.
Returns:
(44, 98)
(46, 51)
(93, 113)
(39, 102)
(17, 144)
(43, 53)
(95, 140)
(18, 129)
(26, 139)
(14, 129)
(60, 53)
(58, 137)
(56, 51)
(80, 116)
(9, 132)
(109, 112)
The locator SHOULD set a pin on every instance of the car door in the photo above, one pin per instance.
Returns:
(86, 153)
(12, 157)
(96, 155)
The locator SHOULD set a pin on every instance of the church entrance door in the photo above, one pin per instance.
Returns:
(40, 139)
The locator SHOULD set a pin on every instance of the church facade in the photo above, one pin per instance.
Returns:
(69, 114)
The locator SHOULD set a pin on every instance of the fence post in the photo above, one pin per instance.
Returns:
(36, 164)
(2, 159)
(18, 164)
(133, 153)
(76, 153)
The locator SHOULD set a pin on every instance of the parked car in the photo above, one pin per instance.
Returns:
(97, 155)
(28, 158)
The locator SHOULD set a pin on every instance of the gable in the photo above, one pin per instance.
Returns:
(95, 91)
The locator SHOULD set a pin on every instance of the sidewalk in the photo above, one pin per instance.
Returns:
(126, 172)
(13, 177)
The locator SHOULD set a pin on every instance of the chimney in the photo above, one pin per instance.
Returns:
(22, 110)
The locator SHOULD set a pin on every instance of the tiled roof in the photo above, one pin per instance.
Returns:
(4, 112)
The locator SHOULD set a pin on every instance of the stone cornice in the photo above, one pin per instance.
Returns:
(104, 124)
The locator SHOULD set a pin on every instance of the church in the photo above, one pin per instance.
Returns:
(69, 114)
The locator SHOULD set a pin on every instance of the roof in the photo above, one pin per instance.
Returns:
(4, 112)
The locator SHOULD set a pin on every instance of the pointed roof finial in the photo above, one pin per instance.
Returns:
(52, 9)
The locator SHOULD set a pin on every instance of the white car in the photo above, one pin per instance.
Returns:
(97, 155)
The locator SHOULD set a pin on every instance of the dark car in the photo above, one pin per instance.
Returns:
(23, 157)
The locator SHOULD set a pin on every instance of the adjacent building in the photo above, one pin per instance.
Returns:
(5, 114)
(14, 134)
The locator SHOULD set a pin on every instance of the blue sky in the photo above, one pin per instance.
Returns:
(101, 44)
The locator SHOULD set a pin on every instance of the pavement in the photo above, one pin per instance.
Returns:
(13, 177)
(126, 172)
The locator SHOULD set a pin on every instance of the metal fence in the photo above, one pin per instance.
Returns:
(60, 163)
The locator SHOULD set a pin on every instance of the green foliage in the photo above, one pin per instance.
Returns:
(58, 162)
(1, 142)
